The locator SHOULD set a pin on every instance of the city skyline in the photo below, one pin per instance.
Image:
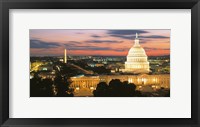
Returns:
(52, 42)
(136, 75)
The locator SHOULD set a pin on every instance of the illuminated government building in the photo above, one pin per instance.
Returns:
(137, 61)
(84, 85)
(136, 64)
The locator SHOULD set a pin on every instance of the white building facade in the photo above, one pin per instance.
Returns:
(137, 60)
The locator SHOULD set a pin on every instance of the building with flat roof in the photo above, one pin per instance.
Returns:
(89, 83)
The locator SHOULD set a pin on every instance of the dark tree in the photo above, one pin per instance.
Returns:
(40, 88)
(62, 86)
(116, 88)
(101, 90)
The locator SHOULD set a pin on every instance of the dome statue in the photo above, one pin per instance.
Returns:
(137, 60)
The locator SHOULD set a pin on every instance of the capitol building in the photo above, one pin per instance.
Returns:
(84, 85)
(136, 71)
(137, 60)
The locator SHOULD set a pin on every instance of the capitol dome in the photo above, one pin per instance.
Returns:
(137, 60)
(136, 51)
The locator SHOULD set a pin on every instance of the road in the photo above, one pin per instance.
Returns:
(85, 71)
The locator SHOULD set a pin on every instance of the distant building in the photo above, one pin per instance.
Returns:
(47, 75)
(137, 61)
(45, 67)
(95, 64)
(61, 60)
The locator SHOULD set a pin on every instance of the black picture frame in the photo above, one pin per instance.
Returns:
(5, 5)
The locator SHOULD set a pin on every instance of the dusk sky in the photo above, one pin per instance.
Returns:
(52, 42)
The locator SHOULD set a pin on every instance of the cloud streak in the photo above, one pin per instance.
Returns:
(41, 44)
(150, 49)
(103, 41)
(78, 47)
(125, 32)
(96, 36)
(154, 36)
(130, 34)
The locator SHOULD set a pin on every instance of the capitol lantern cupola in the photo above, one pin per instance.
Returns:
(137, 60)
